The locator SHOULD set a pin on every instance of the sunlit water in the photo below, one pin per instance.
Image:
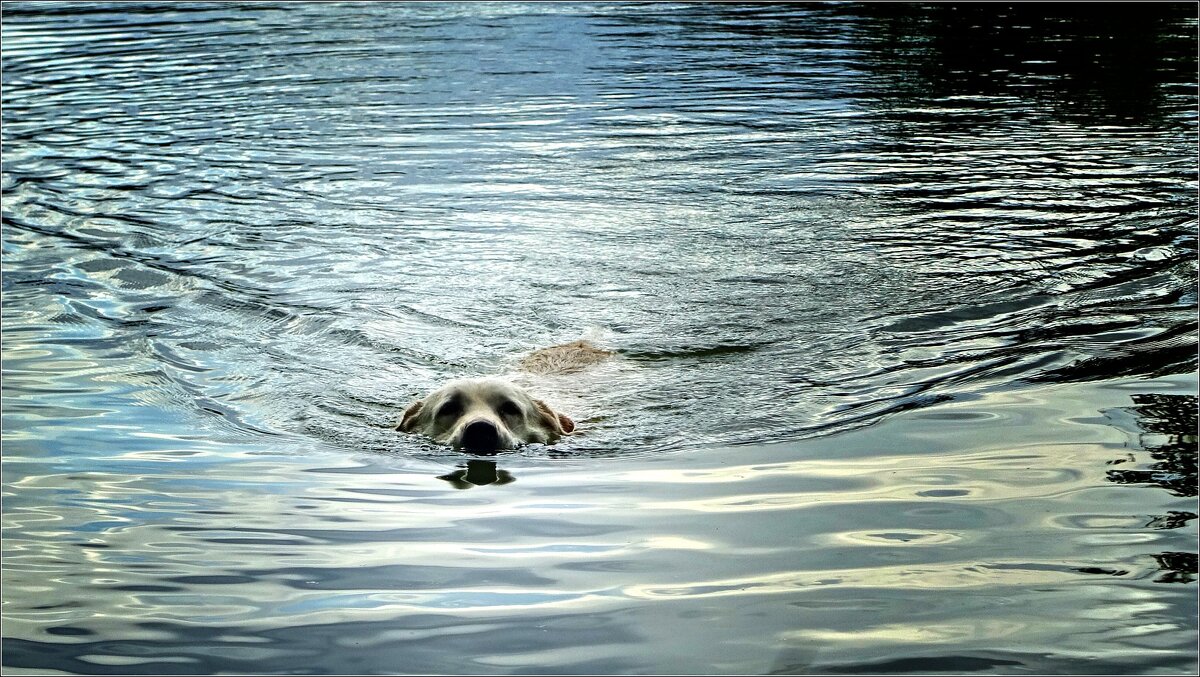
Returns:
(903, 299)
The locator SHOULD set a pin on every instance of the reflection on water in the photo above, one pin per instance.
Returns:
(903, 299)
(477, 473)
(1169, 424)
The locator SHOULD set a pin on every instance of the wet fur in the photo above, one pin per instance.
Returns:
(564, 359)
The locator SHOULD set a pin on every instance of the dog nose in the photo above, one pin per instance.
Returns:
(481, 435)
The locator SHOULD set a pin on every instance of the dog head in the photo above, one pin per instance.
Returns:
(484, 415)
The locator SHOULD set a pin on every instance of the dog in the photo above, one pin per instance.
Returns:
(484, 415)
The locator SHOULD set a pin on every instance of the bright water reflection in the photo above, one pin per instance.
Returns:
(904, 299)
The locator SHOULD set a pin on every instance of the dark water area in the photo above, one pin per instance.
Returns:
(903, 298)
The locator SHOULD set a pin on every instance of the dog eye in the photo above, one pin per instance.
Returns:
(510, 408)
(451, 408)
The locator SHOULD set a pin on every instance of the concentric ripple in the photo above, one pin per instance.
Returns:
(903, 298)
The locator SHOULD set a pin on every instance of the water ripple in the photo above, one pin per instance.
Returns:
(902, 299)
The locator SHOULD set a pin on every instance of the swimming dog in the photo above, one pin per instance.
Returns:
(490, 414)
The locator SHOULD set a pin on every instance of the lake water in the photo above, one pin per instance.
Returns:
(903, 296)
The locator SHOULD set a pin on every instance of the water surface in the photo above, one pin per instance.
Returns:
(903, 296)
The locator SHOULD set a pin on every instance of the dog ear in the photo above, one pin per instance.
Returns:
(409, 420)
(561, 421)
(565, 422)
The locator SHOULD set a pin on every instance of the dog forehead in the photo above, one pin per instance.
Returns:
(479, 389)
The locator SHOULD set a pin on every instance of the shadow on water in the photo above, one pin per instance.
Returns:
(948, 77)
(1063, 54)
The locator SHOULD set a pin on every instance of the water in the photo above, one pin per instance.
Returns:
(903, 297)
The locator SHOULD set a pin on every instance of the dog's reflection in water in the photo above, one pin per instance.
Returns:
(477, 473)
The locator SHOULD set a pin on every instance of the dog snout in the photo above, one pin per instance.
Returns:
(481, 435)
